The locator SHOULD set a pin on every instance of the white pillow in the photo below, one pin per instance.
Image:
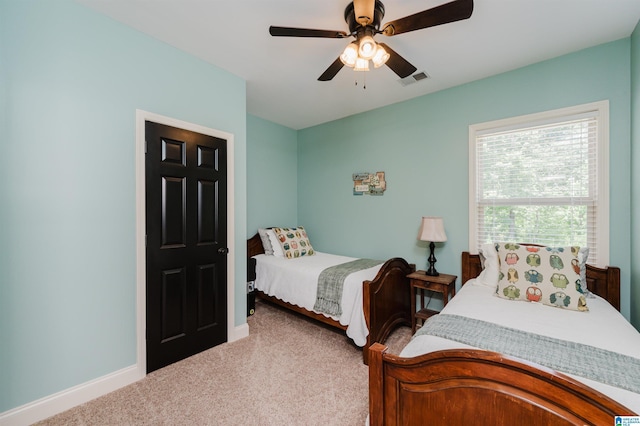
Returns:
(275, 244)
(582, 256)
(490, 274)
(266, 243)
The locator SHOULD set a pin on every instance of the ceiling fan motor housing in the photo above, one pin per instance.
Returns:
(350, 17)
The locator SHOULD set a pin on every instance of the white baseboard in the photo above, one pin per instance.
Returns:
(240, 332)
(69, 398)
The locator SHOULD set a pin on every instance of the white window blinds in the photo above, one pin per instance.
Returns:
(537, 181)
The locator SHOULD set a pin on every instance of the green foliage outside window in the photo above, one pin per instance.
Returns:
(547, 225)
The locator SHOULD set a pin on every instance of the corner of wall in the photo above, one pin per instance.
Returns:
(635, 176)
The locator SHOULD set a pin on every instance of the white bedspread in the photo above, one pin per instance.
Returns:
(296, 281)
(603, 327)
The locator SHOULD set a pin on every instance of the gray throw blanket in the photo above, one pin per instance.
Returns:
(331, 282)
(586, 361)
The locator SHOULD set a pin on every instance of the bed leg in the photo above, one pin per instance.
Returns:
(376, 389)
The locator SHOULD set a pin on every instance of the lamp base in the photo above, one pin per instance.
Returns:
(432, 262)
(432, 272)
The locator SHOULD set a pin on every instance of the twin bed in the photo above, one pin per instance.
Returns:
(375, 300)
(435, 380)
(441, 381)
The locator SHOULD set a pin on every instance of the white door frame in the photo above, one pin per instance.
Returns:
(141, 259)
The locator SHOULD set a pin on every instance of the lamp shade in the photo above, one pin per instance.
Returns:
(380, 58)
(432, 229)
(361, 65)
(350, 55)
(367, 47)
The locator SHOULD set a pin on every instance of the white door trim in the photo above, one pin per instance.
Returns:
(141, 322)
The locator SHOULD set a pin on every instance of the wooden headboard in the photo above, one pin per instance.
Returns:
(254, 246)
(605, 282)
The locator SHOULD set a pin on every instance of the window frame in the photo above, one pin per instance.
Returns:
(601, 110)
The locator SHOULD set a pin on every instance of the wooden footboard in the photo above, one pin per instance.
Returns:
(386, 299)
(458, 387)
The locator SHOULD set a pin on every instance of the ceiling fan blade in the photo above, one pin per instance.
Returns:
(332, 70)
(364, 11)
(305, 32)
(397, 63)
(456, 10)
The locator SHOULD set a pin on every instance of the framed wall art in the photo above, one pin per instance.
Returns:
(369, 183)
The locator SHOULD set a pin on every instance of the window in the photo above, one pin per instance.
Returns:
(542, 178)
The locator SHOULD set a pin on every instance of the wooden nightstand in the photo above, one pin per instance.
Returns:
(420, 281)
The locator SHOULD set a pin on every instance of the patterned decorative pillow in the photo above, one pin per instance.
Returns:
(294, 242)
(550, 275)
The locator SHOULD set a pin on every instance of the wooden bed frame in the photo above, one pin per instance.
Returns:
(464, 386)
(386, 299)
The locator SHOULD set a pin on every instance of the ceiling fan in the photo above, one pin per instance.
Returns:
(363, 18)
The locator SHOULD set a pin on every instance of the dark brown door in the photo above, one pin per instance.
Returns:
(186, 193)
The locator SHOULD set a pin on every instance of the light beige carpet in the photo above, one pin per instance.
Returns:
(289, 371)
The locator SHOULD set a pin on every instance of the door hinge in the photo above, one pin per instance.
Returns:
(145, 146)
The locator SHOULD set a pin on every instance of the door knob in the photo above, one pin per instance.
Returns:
(223, 250)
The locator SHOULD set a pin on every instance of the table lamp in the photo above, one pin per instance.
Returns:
(432, 230)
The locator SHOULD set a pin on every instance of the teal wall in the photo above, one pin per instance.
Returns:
(635, 182)
(423, 146)
(272, 175)
(70, 83)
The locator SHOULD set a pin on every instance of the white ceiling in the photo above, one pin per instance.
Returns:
(282, 72)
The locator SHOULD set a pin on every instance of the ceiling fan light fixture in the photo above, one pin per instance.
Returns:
(367, 47)
(364, 18)
(361, 65)
(350, 55)
(380, 58)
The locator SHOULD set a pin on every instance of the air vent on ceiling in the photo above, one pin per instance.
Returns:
(419, 76)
